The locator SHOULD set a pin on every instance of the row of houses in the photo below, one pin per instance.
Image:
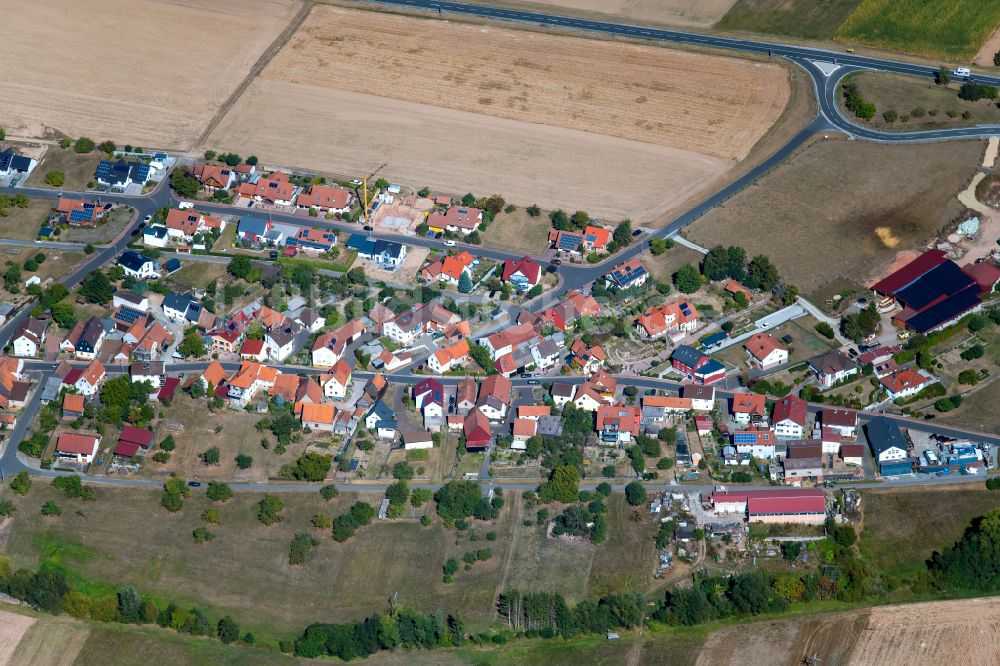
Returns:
(275, 188)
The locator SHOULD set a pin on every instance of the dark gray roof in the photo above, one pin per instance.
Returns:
(884, 434)
(687, 355)
(133, 260)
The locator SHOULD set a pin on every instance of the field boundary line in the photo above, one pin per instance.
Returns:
(279, 42)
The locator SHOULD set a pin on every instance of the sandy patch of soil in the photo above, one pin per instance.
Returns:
(12, 628)
(453, 151)
(146, 72)
(707, 104)
(985, 56)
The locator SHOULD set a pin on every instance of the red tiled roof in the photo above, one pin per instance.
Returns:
(126, 449)
(761, 345)
(526, 266)
(72, 442)
(792, 408)
(136, 435)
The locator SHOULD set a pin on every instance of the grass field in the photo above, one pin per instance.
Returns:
(664, 266)
(106, 232)
(198, 274)
(807, 19)
(948, 28)
(806, 343)
(519, 232)
(78, 169)
(24, 223)
(903, 527)
(978, 411)
(904, 94)
(844, 208)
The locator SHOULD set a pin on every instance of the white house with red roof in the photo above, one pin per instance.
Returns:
(675, 317)
(765, 351)
(182, 225)
(522, 274)
(789, 417)
(253, 350)
(457, 219)
(77, 447)
(325, 198)
(904, 383)
(277, 189)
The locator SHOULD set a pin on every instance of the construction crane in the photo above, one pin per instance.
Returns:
(366, 203)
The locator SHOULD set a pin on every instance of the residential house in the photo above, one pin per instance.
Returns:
(573, 306)
(213, 376)
(316, 416)
(757, 442)
(77, 447)
(629, 274)
(381, 419)
(13, 165)
(545, 354)
(251, 378)
(276, 189)
(789, 417)
(588, 398)
(80, 213)
(388, 255)
(852, 454)
(13, 390)
(696, 366)
(879, 355)
(588, 358)
(133, 440)
(213, 177)
(148, 371)
(119, 175)
(656, 409)
(465, 395)
(183, 225)
(182, 308)
(476, 429)
(391, 361)
(503, 342)
(255, 230)
(311, 241)
(85, 340)
(889, 446)
(675, 317)
(417, 439)
(803, 469)
(447, 358)
(457, 219)
(904, 383)
(138, 265)
(704, 425)
(29, 337)
(72, 406)
(91, 378)
(749, 408)
(562, 393)
(336, 382)
(844, 421)
(253, 350)
(618, 424)
(329, 347)
(130, 299)
(373, 391)
(407, 326)
(522, 430)
(549, 426)
(702, 397)
(155, 235)
(428, 396)
(522, 274)
(765, 351)
(448, 269)
(325, 199)
(832, 367)
(281, 340)
(533, 412)
(494, 397)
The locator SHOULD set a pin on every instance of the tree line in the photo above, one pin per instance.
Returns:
(547, 614)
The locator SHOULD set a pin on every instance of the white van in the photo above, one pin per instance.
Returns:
(961, 71)
(184, 205)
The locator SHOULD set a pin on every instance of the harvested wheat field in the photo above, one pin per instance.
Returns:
(462, 107)
(148, 72)
(454, 151)
(939, 632)
(706, 104)
(845, 208)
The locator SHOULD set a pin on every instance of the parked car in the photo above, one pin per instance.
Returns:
(194, 484)
(928, 417)
(147, 219)
(184, 205)
(557, 261)
(450, 243)
(438, 235)
(525, 375)
(273, 254)
(533, 382)
(369, 227)
(636, 233)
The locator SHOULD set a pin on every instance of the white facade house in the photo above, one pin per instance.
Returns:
(139, 266)
(29, 338)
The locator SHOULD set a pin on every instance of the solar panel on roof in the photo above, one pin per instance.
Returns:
(943, 279)
(103, 168)
(944, 311)
(142, 173)
(745, 438)
(128, 315)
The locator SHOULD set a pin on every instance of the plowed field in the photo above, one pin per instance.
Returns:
(145, 72)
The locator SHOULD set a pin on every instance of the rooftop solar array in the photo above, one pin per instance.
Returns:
(942, 280)
(568, 241)
(944, 311)
(85, 215)
(128, 315)
(745, 438)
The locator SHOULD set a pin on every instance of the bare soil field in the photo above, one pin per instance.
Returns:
(148, 72)
(49, 641)
(701, 14)
(707, 104)
(456, 151)
(844, 208)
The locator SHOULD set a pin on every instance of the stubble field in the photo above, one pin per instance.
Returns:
(844, 208)
(464, 107)
(147, 72)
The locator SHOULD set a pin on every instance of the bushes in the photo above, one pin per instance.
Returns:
(301, 546)
(825, 330)
(269, 509)
(973, 92)
(174, 492)
(73, 488)
(359, 515)
(218, 491)
(993, 483)
(635, 493)
(856, 103)
(973, 352)
(55, 178)
(311, 466)
(202, 535)
(21, 483)
(83, 145)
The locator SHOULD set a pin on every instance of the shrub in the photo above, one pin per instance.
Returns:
(202, 535)
(21, 483)
(269, 509)
(50, 508)
(918, 112)
(55, 178)
(83, 145)
(328, 492)
(302, 544)
(210, 456)
(969, 376)
(635, 493)
(890, 115)
(244, 461)
(973, 352)
(993, 484)
(211, 515)
(219, 491)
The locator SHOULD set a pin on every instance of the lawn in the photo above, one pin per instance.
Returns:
(24, 223)
(664, 266)
(57, 262)
(626, 561)
(234, 432)
(948, 28)
(518, 232)
(806, 343)
(807, 19)
(844, 208)
(195, 274)
(902, 528)
(342, 264)
(105, 232)
(917, 98)
(78, 169)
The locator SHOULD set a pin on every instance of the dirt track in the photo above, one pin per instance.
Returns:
(706, 104)
(147, 72)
